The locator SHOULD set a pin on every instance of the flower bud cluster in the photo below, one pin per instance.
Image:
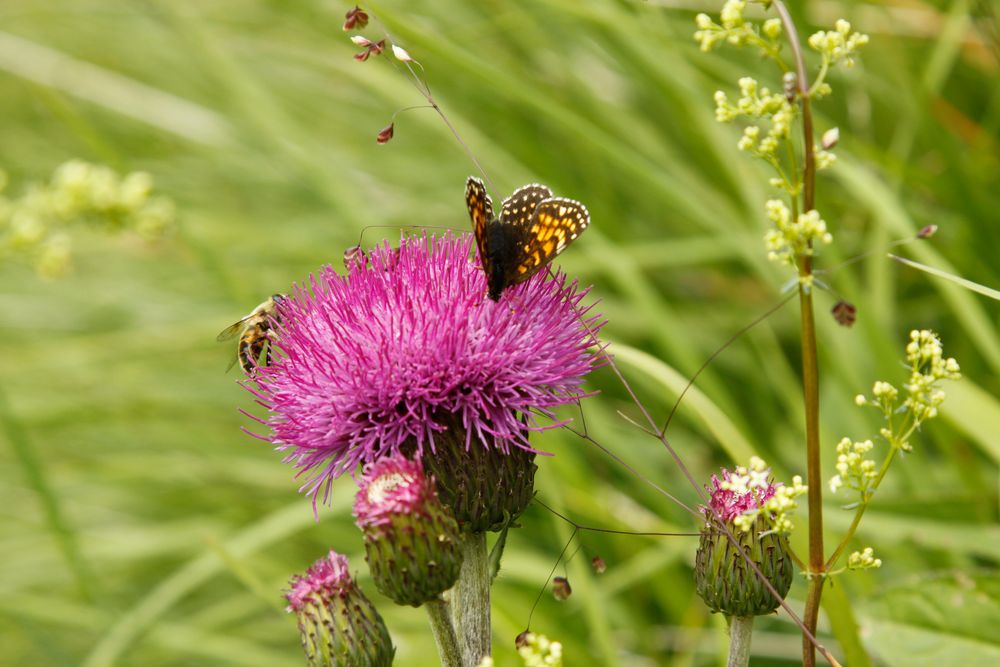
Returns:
(839, 45)
(853, 470)
(34, 226)
(757, 102)
(863, 560)
(928, 367)
(793, 238)
(539, 651)
(735, 30)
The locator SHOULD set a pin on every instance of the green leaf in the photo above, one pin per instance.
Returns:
(946, 620)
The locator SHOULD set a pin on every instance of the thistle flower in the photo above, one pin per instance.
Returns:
(411, 540)
(339, 625)
(723, 578)
(405, 353)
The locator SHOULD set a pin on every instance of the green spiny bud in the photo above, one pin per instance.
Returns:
(485, 487)
(723, 578)
(340, 627)
(411, 539)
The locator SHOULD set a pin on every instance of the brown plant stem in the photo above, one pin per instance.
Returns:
(810, 366)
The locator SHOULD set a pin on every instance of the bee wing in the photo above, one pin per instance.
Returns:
(231, 331)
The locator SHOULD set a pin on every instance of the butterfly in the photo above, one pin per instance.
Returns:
(532, 228)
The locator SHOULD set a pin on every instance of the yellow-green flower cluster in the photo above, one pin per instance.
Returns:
(757, 102)
(928, 366)
(839, 45)
(793, 238)
(539, 651)
(735, 30)
(853, 470)
(34, 226)
(863, 560)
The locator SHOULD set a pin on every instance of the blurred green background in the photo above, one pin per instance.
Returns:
(140, 526)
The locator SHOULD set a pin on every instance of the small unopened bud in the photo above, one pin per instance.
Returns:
(361, 41)
(791, 84)
(927, 231)
(411, 539)
(385, 134)
(830, 138)
(401, 54)
(355, 18)
(598, 564)
(844, 313)
(339, 625)
(561, 589)
(522, 639)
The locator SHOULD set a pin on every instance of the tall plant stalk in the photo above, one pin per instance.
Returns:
(810, 365)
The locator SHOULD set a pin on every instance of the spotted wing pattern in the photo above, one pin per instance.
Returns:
(520, 206)
(481, 211)
(555, 223)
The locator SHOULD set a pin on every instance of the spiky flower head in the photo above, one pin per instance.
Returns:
(339, 624)
(406, 351)
(723, 578)
(411, 539)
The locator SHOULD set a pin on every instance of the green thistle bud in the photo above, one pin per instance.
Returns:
(485, 487)
(339, 625)
(411, 539)
(723, 578)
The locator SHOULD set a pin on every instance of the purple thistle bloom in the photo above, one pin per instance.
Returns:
(729, 503)
(405, 344)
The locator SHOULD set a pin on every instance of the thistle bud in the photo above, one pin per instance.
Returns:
(723, 578)
(339, 625)
(485, 486)
(411, 539)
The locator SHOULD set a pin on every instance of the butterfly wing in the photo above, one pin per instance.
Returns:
(520, 206)
(481, 211)
(555, 223)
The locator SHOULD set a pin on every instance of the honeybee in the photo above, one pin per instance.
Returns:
(255, 334)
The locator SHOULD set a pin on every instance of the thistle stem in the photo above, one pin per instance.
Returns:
(471, 600)
(740, 634)
(444, 633)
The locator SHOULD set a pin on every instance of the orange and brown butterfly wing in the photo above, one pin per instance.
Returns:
(481, 211)
(555, 223)
(518, 209)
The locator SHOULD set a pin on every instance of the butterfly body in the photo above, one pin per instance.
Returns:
(532, 228)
